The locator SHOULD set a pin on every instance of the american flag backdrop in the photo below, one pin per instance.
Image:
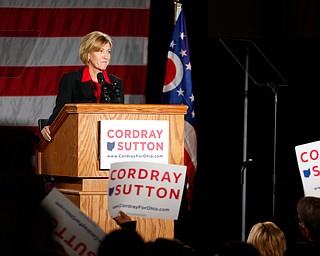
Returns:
(39, 41)
(177, 89)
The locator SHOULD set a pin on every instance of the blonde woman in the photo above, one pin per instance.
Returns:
(268, 238)
(82, 85)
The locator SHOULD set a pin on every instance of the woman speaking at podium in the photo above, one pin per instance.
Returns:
(91, 83)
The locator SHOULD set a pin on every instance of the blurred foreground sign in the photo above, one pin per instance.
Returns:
(308, 157)
(77, 233)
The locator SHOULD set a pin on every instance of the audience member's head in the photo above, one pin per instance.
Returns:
(303, 249)
(166, 246)
(122, 242)
(25, 228)
(17, 159)
(308, 210)
(268, 238)
(237, 248)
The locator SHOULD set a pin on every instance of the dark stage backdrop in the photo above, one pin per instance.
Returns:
(288, 33)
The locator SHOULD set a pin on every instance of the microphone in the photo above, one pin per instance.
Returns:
(104, 88)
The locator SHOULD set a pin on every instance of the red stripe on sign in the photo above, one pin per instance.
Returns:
(38, 81)
(76, 22)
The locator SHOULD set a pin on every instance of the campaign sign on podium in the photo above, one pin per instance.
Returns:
(308, 157)
(133, 140)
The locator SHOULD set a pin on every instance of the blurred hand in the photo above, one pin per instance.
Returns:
(46, 133)
(122, 218)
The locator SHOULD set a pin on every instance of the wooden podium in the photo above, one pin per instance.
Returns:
(72, 157)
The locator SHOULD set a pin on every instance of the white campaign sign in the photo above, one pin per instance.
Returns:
(308, 157)
(144, 189)
(133, 140)
(74, 230)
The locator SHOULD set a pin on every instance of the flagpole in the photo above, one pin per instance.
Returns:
(177, 9)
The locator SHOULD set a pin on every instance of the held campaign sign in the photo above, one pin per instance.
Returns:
(144, 189)
(74, 230)
(308, 157)
(133, 140)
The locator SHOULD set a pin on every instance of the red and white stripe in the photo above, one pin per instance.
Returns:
(39, 41)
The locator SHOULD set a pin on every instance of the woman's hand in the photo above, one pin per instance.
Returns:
(46, 133)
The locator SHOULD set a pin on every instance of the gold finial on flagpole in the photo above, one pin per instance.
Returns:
(177, 8)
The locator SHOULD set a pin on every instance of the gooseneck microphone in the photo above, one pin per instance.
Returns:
(110, 92)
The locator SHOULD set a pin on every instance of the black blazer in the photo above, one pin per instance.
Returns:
(72, 90)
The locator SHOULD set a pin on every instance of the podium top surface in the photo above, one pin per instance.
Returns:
(125, 108)
(100, 108)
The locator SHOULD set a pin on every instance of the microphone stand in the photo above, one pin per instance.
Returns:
(105, 97)
(110, 93)
(227, 43)
(105, 93)
(272, 87)
(245, 164)
(115, 93)
(243, 182)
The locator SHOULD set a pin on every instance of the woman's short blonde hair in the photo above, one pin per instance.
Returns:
(268, 238)
(93, 42)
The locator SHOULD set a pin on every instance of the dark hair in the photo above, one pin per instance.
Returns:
(166, 246)
(308, 210)
(122, 242)
(25, 225)
(237, 248)
(303, 248)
